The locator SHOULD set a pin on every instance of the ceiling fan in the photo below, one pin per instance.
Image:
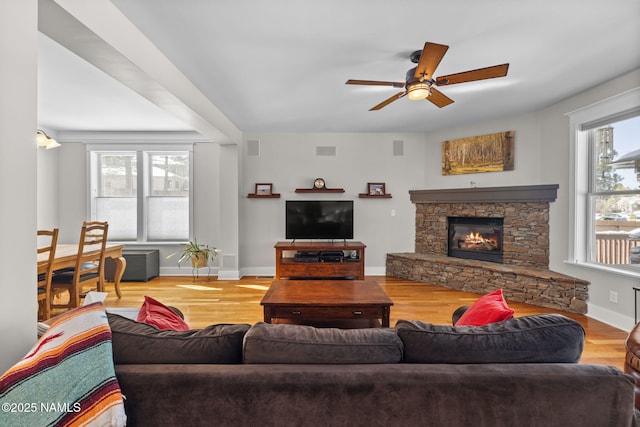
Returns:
(420, 82)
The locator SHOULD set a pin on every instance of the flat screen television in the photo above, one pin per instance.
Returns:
(319, 219)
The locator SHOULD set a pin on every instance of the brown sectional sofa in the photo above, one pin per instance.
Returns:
(519, 372)
(632, 360)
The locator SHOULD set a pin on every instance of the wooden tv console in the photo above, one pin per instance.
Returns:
(288, 267)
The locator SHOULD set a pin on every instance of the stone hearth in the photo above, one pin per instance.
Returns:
(524, 275)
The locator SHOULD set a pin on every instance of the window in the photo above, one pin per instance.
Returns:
(606, 155)
(145, 195)
(614, 196)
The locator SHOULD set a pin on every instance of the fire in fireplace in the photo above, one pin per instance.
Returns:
(475, 238)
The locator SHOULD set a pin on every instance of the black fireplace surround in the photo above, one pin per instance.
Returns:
(475, 238)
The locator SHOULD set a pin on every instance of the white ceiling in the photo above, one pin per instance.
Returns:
(281, 65)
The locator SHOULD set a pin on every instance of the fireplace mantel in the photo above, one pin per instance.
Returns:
(525, 210)
(525, 193)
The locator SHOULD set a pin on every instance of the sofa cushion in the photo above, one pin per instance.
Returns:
(273, 343)
(542, 338)
(138, 342)
(155, 313)
(489, 308)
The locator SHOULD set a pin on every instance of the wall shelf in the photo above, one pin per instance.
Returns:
(263, 196)
(325, 190)
(369, 196)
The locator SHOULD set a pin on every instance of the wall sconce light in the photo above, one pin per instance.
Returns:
(44, 140)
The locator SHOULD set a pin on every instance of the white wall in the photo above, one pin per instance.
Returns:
(526, 148)
(47, 188)
(229, 223)
(72, 190)
(18, 174)
(289, 161)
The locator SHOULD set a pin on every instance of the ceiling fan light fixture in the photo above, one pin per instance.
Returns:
(418, 91)
(419, 80)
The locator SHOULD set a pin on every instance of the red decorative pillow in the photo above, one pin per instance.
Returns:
(155, 313)
(487, 309)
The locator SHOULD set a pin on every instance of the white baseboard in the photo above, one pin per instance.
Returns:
(609, 317)
(185, 271)
(375, 271)
(229, 275)
(259, 271)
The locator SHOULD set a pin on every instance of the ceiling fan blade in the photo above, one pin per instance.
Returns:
(438, 98)
(432, 54)
(469, 76)
(374, 83)
(388, 101)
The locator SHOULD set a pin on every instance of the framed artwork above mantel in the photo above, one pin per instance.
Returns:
(478, 154)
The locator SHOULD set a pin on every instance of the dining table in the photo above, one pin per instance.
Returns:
(67, 253)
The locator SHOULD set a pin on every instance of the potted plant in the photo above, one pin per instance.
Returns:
(199, 254)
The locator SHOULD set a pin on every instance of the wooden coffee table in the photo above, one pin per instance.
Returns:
(336, 303)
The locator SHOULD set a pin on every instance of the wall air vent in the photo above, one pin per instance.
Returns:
(325, 151)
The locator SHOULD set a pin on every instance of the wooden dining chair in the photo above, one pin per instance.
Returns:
(89, 267)
(45, 271)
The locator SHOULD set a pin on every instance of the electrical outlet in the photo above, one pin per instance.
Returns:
(393, 212)
(613, 296)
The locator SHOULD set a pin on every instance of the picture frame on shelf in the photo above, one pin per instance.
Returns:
(264, 189)
(376, 189)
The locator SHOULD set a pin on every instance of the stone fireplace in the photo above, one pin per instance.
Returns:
(509, 250)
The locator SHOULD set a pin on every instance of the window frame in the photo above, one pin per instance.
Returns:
(143, 154)
(581, 182)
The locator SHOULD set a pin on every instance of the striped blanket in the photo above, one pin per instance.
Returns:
(67, 378)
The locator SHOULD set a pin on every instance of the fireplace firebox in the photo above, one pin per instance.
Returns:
(475, 238)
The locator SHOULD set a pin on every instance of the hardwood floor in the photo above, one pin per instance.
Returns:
(205, 302)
